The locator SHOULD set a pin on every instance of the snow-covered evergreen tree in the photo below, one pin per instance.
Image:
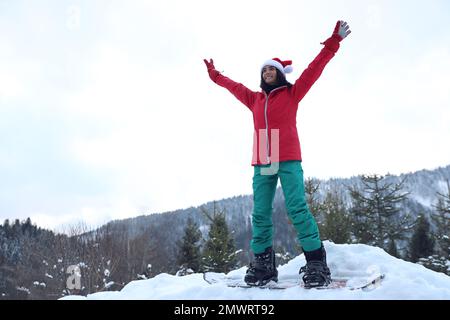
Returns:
(392, 249)
(219, 253)
(422, 242)
(441, 220)
(312, 187)
(189, 255)
(376, 211)
(336, 225)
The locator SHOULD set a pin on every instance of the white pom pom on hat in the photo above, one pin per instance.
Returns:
(284, 66)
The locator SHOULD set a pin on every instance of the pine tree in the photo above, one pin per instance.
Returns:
(219, 254)
(377, 219)
(189, 256)
(337, 222)
(312, 187)
(392, 249)
(422, 243)
(442, 222)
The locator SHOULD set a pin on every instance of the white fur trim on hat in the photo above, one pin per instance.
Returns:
(279, 66)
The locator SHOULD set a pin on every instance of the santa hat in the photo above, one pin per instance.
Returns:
(283, 66)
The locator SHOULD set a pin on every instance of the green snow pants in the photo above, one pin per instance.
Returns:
(264, 186)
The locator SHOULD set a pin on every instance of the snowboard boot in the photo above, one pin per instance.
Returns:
(316, 272)
(262, 270)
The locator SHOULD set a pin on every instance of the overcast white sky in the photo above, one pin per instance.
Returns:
(107, 112)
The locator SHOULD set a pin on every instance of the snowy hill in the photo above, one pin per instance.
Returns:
(404, 280)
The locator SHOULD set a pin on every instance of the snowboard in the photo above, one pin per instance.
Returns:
(285, 282)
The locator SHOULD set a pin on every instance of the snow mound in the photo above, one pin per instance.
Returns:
(403, 280)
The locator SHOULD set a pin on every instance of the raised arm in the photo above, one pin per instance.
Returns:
(315, 68)
(241, 92)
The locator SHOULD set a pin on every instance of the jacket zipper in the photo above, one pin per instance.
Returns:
(267, 121)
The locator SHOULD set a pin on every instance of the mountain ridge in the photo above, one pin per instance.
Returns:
(168, 227)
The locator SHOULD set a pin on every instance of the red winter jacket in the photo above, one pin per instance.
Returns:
(275, 114)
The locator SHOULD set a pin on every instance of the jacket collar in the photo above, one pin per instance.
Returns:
(274, 90)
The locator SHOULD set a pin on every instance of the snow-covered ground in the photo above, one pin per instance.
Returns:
(404, 280)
